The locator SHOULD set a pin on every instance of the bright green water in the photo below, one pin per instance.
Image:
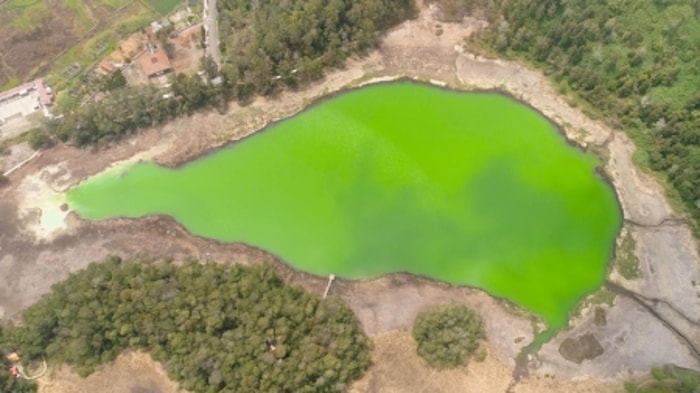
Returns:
(472, 189)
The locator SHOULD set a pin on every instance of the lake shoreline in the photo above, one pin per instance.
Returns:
(633, 341)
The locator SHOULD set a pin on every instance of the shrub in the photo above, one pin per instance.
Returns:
(666, 379)
(39, 138)
(448, 336)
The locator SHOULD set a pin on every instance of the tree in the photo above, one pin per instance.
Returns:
(114, 81)
(39, 138)
(448, 336)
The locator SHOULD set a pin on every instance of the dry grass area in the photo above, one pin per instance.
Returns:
(128, 48)
(132, 372)
(398, 369)
(552, 385)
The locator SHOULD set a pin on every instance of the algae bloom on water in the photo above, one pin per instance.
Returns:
(468, 188)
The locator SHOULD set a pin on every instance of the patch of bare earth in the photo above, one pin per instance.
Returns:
(653, 319)
(398, 369)
(187, 50)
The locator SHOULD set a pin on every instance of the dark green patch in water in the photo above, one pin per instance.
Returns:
(467, 188)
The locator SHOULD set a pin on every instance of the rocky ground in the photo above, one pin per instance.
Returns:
(645, 321)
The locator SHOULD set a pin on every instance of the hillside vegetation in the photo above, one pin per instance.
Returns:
(269, 43)
(633, 62)
(215, 328)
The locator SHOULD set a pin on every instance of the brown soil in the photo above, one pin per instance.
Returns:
(34, 255)
(397, 368)
(129, 48)
(187, 51)
(578, 349)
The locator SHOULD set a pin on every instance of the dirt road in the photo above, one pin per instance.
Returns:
(211, 16)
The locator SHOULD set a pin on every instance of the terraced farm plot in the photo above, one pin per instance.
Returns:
(46, 36)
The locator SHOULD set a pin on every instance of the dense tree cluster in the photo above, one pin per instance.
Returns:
(667, 379)
(113, 81)
(634, 61)
(448, 336)
(269, 43)
(126, 110)
(215, 328)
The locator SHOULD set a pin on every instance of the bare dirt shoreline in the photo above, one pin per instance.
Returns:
(38, 249)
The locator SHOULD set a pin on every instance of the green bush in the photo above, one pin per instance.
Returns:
(214, 327)
(666, 379)
(39, 138)
(448, 336)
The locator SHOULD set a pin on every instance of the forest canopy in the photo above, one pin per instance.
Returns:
(215, 328)
(268, 43)
(635, 62)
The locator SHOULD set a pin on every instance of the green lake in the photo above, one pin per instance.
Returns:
(467, 188)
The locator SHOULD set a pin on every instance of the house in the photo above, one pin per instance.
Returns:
(155, 64)
(39, 86)
(105, 68)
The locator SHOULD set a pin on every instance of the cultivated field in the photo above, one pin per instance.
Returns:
(62, 38)
(165, 7)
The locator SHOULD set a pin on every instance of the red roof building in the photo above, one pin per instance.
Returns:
(46, 96)
(155, 64)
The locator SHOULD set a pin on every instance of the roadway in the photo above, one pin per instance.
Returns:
(212, 32)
